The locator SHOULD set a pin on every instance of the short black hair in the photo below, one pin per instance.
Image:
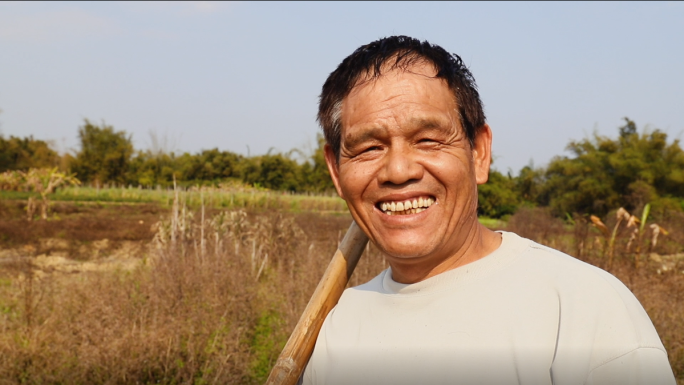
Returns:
(397, 52)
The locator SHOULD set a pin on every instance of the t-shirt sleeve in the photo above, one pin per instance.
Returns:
(642, 366)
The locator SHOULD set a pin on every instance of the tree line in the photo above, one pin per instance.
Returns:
(107, 156)
(600, 175)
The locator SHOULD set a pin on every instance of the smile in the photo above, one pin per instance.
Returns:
(411, 206)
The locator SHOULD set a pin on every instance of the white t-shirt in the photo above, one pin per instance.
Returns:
(525, 314)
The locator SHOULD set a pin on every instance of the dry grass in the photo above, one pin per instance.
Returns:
(213, 304)
(217, 298)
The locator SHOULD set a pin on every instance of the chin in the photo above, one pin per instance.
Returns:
(405, 251)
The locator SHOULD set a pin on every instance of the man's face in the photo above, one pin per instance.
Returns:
(402, 142)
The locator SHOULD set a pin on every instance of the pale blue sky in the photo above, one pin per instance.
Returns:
(233, 75)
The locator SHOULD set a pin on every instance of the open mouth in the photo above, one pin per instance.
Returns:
(406, 207)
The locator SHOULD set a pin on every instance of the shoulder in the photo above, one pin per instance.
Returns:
(590, 299)
(370, 289)
(565, 271)
(570, 277)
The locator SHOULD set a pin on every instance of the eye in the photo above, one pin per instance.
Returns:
(427, 141)
(372, 148)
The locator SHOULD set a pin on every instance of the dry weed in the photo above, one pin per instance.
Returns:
(214, 304)
(222, 290)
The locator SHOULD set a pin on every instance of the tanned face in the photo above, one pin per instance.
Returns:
(410, 175)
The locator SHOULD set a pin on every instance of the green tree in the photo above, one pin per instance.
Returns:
(273, 171)
(497, 197)
(104, 156)
(528, 183)
(23, 154)
(316, 174)
(210, 165)
(608, 173)
(149, 168)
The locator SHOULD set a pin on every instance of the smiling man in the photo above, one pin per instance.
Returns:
(407, 146)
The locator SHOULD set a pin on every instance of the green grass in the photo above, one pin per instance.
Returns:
(255, 199)
(266, 344)
(492, 223)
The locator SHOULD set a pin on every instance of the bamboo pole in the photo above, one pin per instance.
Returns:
(299, 347)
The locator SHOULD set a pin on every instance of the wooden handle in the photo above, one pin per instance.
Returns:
(299, 347)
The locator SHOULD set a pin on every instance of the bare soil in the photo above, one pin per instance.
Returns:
(77, 237)
(78, 221)
(101, 236)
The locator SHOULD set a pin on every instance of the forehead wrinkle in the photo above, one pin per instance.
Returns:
(386, 105)
(376, 123)
(415, 65)
(369, 81)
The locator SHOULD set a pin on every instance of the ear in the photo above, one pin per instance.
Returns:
(334, 168)
(482, 153)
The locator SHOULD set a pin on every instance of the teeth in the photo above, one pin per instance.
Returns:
(414, 206)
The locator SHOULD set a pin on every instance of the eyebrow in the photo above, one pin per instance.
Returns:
(415, 124)
(425, 123)
(371, 133)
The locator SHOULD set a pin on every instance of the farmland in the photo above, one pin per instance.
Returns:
(127, 285)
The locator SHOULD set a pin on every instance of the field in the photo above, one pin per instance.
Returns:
(134, 286)
(227, 198)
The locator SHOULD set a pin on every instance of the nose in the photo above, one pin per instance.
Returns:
(400, 166)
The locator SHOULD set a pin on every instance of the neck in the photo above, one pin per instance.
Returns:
(478, 243)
